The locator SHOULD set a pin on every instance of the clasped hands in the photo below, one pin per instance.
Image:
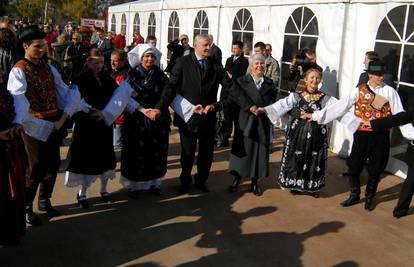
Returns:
(257, 111)
(199, 109)
(305, 116)
(151, 113)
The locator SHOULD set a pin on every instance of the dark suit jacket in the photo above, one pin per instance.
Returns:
(394, 121)
(177, 51)
(197, 87)
(237, 69)
(106, 49)
(388, 79)
(215, 54)
(245, 94)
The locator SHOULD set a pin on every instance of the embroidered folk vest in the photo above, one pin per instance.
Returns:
(364, 109)
(41, 89)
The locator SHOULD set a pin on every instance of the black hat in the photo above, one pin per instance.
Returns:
(376, 66)
(30, 33)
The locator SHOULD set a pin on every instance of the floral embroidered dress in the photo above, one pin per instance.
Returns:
(305, 152)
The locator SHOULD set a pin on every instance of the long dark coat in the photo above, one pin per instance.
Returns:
(250, 148)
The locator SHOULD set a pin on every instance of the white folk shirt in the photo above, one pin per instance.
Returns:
(68, 99)
(342, 106)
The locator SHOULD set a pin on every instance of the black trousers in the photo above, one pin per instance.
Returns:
(189, 140)
(407, 192)
(44, 162)
(371, 146)
(231, 116)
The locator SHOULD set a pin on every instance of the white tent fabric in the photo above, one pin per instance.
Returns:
(347, 29)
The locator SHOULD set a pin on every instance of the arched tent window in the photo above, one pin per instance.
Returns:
(113, 23)
(123, 23)
(395, 45)
(173, 27)
(136, 25)
(151, 24)
(201, 23)
(301, 31)
(243, 29)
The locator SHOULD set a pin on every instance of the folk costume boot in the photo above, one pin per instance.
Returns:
(236, 182)
(45, 205)
(355, 192)
(370, 192)
(255, 188)
(31, 217)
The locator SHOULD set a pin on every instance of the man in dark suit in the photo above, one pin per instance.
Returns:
(178, 50)
(215, 51)
(236, 66)
(105, 45)
(195, 77)
(407, 190)
(363, 78)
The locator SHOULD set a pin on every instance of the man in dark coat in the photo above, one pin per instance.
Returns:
(236, 66)
(178, 50)
(196, 78)
(407, 190)
(106, 47)
(363, 78)
(215, 51)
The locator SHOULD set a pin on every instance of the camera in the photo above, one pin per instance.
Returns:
(301, 59)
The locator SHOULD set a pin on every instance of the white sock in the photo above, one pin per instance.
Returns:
(104, 184)
(82, 191)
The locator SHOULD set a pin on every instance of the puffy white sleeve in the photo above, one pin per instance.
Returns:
(34, 127)
(68, 98)
(335, 108)
(407, 130)
(120, 100)
(281, 107)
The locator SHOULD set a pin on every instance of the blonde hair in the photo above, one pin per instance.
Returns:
(309, 71)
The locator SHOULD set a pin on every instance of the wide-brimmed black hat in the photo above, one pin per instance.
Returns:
(376, 66)
(30, 33)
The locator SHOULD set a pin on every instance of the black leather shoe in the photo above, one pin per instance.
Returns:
(32, 218)
(352, 200)
(82, 201)
(399, 213)
(184, 189)
(257, 191)
(106, 197)
(294, 192)
(202, 187)
(45, 205)
(156, 191)
(134, 194)
(236, 181)
(369, 204)
(315, 194)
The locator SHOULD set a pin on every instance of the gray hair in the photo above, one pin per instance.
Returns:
(255, 57)
(200, 37)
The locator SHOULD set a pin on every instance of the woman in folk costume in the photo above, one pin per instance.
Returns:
(12, 173)
(250, 148)
(92, 152)
(146, 128)
(305, 151)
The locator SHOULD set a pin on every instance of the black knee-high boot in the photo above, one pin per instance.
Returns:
(353, 198)
(255, 188)
(370, 191)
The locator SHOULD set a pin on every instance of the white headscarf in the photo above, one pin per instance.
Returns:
(135, 55)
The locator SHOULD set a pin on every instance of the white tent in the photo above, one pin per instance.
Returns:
(341, 32)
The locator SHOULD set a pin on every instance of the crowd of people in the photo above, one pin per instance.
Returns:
(118, 98)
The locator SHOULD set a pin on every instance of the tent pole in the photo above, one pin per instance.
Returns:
(218, 24)
(162, 15)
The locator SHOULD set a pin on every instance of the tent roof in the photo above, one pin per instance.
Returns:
(151, 5)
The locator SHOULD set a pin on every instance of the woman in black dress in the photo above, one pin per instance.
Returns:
(145, 132)
(305, 151)
(92, 152)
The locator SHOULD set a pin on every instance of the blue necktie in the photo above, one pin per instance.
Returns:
(203, 64)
